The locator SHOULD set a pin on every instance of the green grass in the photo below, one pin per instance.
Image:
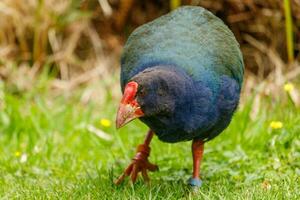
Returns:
(66, 161)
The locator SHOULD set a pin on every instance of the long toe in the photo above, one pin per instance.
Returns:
(126, 172)
(135, 168)
(140, 163)
(145, 175)
(134, 173)
(151, 167)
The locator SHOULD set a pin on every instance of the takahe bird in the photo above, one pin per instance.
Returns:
(181, 75)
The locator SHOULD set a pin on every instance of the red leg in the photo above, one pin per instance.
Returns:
(140, 162)
(197, 150)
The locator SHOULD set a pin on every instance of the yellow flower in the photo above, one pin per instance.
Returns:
(288, 87)
(105, 122)
(17, 153)
(276, 125)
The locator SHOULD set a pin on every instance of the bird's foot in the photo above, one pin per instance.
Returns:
(139, 163)
(195, 182)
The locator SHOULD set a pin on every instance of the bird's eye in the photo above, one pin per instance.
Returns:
(142, 92)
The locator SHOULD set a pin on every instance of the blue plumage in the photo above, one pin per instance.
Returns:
(189, 69)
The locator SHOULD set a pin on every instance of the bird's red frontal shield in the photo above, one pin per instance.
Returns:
(129, 109)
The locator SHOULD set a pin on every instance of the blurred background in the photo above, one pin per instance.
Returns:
(59, 92)
(77, 42)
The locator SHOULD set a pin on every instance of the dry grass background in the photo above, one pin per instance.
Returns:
(79, 42)
(58, 55)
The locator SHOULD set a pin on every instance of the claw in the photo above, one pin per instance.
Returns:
(141, 164)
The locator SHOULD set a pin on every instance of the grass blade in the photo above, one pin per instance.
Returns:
(289, 30)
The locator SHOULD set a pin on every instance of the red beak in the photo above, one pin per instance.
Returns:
(129, 109)
(127, 113)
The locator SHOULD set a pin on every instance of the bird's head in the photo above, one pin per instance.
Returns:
(150, 93)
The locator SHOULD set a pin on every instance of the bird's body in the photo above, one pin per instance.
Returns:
(181, 74)
(198, 46)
